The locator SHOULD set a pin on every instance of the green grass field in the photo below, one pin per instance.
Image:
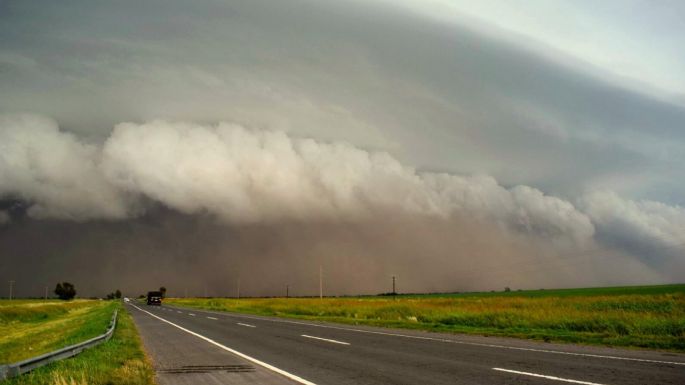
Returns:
(585, 291)
(645, 316)
(32, 327)
(29, 328)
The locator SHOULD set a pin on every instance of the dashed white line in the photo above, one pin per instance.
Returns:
(245, 356)
(445, 340)
(546, 377)
(191, 314)
(179, 312)
(246, 325)
(214, 318)
(326, 339)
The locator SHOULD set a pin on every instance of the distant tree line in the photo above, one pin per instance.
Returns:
(67, 291)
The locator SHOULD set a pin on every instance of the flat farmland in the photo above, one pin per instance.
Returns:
(644, 316)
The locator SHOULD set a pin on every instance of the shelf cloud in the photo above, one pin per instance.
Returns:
(475, 145)
(637, 222)
(241, 175)
(257, 183)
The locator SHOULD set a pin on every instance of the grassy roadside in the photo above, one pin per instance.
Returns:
(32, 327)
(645, 317)
(118, 361)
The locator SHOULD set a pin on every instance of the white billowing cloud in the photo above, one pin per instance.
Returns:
(242, 175)
(54, 171)
(522, 207)
(257, 175)
(379, 81)
(637, 221)
(4, 217)
(550, 215)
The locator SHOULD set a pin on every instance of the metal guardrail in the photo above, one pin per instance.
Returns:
(21, 367)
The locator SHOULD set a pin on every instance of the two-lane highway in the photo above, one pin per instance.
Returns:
(325, 353)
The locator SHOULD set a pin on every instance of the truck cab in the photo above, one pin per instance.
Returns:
(154, 297)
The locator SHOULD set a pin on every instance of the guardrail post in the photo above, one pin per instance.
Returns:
(13, 371)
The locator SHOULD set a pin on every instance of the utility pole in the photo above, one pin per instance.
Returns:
(11, 287)
(394, 292)
(320, 282)
(238, 288)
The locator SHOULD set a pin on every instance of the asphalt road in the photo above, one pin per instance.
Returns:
(291, 351)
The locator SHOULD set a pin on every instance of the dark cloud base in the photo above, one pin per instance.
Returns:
(192, 252)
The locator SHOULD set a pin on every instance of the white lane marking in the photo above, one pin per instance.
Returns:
(178, 312)
(226, 348)
(326, 339)
(247, 325)
(212, 318)
(448, 340)
(191, 314)
(546, 377)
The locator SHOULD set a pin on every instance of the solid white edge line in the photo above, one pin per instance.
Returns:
(247, 325)
(226, 348)
(326, 339)
(546, 377)
(214, 318)
(448, 340)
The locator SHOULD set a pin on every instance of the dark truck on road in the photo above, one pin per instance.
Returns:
(154, 297)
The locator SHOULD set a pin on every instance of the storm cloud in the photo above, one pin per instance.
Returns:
(249, 176)
(4, 217)
(306, 202)
(272, 134)
(53, 170)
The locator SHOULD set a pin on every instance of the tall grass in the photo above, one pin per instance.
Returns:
(30, 328)
(120, 361)
(652, 320)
